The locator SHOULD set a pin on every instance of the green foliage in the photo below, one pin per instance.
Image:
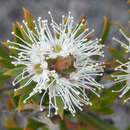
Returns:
(3, 53)
(14, 71)
(6, 63)
(7, 44)
(3, 78)
(96, 122)
(116, 54)
(24, 93)
(105, 31)
(25, 37)
(60, 106)
(14, 129)
(62, 125)
(29, 19)
(81, 30)
(15, 99)
(17, 32)
(128, 128)
(121, 27)
(101, 105)
(34, 125)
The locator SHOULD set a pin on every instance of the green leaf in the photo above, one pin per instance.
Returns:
(83, 128)
(95, 121)
(24, 93)
(15, 99)
(126, 96)
(14, 129)
(105, 31)
(34, 125)
(116, 54)
(101, 105)
(81, 30)
(6, 63)
(121, 27)
(60, 106)
(108, 97)
(6, 44)
(29, 19)
(14, 71)
(3, 53)
(105, 110)
(23, 33)
(3, 78)
(17, 31)
(63, 125)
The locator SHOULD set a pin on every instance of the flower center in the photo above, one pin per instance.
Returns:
(62, 65)
(38, 69)
(57, 48)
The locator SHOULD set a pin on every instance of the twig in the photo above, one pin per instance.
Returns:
(43, 119)
(36, 114)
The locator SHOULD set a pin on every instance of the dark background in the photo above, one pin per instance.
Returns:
(95, 10)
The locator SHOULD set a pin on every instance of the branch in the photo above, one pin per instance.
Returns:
(43, 119)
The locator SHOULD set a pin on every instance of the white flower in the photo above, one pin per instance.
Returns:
(60, 63)
(127, 47)
(124, 68)
(125, 76)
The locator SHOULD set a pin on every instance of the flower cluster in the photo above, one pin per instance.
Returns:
(60, 61)
(124, 68)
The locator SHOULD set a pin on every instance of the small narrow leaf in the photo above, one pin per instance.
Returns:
(29, 19)
(24, 93)
(6, 63)
(105, 31)
(23, 33)
(14, 71)
(96, 122)
(83, 27)
(82, 17)
(3, 53)
(121, 27)
(116, 54)
(17, 32)
(102, 104)
(14, 129)
(6, 44)
(3, 78)
(60, 107)
(105, 110)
